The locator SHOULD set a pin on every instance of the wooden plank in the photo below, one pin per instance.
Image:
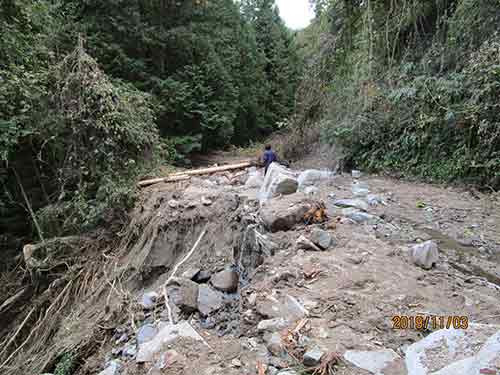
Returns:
(167, 179)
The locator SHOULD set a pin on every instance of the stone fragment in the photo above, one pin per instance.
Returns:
(191, 273)
(255, 180)
(272, 325)
(278, 180)
(173, 203)
(148, 300)
(202, 277)
(209, 300)
(206, 201)
(355, 203)
(360, 190)
(355, 173)
(321, 238)
(268, 307)
(374, 361)
(293, 309)
(360, 217)
(226, 281)
(374, 200)
(168, 334)
(425, 254)
(312, 177)
(273, 343)
(311, 190)
(312, 357)
(306, 244)
(114, 368)
(183, 293)
(146, 333)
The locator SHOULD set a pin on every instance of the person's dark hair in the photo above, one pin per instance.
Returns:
(268, 147)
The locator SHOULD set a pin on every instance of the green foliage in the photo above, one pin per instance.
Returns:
(65, 365)
(410, 87)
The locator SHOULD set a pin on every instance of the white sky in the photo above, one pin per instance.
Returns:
(296, 13)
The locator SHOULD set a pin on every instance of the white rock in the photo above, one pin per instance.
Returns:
(255, 179)
(374, 361)
(278, 180)
(322, 238)
(293, 309)
(306, 244)
(114, 368)
(209, 300)
(354, 203)
(360, 189)
(272, 325)
(456, 352)
(425, 254)
(168, 334)
(148, 300)
(313, 177)
(374, 200)
(311, 190)
(356, 173)
(312, 358)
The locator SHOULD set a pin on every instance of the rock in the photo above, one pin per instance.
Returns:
(173, 203)
(255, 180)
(202, 277)
(236, 363)
(360, 217)
(293, 309)
(272, 325)
(456, 352)
(306, 244)
(252, 299)
(312, 358)
(130, 350)
(321, 237)
(355, 173)
(169, 358)
(114, 368)
(206, 201)
(148, 300)
(354, 203)
(313, 177)
(273, 343)
(374, 362)
(184, 294)
(311, 190)
(146, 333)
(425, 254)
(191, 273)
(283, 214)
(278, 180)
(374, 200)
(272, 370)
(209, 300)
(226, 281)
(268, 307)
(168, 334)
(288, 372)
(359, 190)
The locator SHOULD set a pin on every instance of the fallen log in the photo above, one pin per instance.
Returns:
(180, 176)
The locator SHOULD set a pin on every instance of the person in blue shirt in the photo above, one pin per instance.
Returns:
(268, 157)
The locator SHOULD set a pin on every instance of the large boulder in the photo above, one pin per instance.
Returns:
(184, 294)
(312, 177)
(425, 254)
(278, 181)
(472, 351)
(283, 214)
(226, 281)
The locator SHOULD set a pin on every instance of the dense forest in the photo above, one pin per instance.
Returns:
(94, 93)
(405, 86)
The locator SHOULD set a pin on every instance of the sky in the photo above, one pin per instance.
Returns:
(296, 13)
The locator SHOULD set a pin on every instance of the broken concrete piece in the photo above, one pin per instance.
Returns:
(226, 281)
(321, 237)
(184, 294)
(306, 244)
(425, 254)
(312, 358)
(114, 368)
(272, 325)
(374, 362)
(355, 203)
(456, 352)
(278, 180)
(168, 334)
(209, 300)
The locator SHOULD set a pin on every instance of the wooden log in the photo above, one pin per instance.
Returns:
(180, 176)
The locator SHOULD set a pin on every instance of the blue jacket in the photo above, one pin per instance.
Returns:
(269, 157)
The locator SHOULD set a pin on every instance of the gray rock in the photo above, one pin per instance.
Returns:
(226, 281)
(278, 180)
(148, 300)
(272, 325)
(273, 343)
(146, 333)
(360, 190)
(374, 362)
(312, 357)
(283, 214)
(311, 190)
(354, 203)
(360, 217)
(173, 203)
(355, 173)
(269, 307)
(312, 177)
(191, 273)
(272, 370)
(209, 300)
(306, 244)
(114, 368)
(288, 308)
(425, 254)
(321, 237)
(206, 201)
(374, 200)
(288, 372)
(255, 180)
(129, 350)
(456, 352)
(184, 294)
(168, 334)
(293, 309)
